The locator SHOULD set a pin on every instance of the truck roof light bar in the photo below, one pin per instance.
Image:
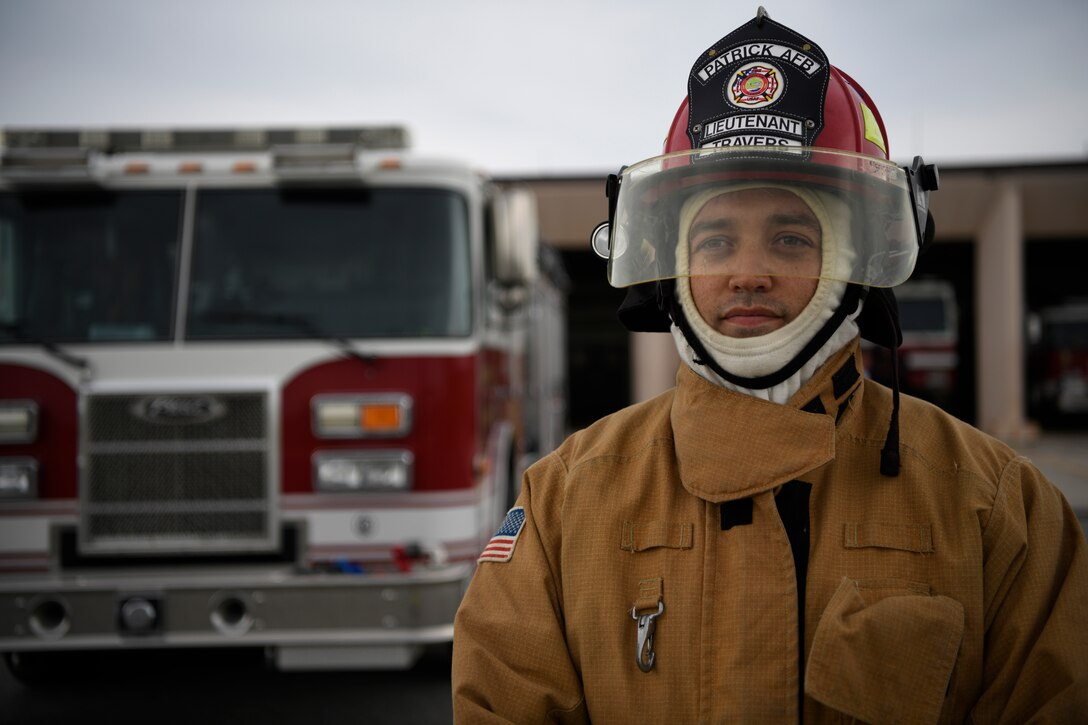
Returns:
(31, 163)
(311, 157)
(188, 140)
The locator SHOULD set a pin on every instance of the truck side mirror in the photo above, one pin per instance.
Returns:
(516, 236)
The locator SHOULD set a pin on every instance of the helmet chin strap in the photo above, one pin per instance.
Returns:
(849, 305)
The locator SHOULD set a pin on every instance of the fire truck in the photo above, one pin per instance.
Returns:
(261, 388)
(929, 357)
(1059, 363)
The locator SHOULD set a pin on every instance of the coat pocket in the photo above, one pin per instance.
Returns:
(917, 538)
(884, 650)
(656, 534)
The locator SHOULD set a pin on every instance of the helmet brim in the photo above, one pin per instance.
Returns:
(882, 232)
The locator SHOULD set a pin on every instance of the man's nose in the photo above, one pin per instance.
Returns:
(751, 270)
(750, 282)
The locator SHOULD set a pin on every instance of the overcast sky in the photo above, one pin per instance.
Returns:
(551, 88)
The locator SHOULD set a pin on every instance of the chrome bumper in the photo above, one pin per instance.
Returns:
(300, 615)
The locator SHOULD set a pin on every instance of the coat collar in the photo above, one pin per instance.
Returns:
(731, 446)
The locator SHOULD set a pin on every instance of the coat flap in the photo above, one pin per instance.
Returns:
(721, 440)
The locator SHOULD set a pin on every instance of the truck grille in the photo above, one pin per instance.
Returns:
(176, 472)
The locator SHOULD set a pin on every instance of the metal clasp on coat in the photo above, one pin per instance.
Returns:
(647, 623)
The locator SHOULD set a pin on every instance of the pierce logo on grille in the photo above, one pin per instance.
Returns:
(179, 409)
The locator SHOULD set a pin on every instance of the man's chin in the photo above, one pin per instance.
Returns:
(730, 329)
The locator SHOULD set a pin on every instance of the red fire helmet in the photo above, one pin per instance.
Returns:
(765, 108)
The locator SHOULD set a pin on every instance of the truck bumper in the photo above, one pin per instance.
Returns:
(308, 621)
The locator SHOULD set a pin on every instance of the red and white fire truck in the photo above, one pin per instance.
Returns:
(1059, 360)
(259, 387)
(929, 356)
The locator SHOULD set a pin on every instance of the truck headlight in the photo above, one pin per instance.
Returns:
(381, 415)
(18, 421)
(347, 471)
(18, 478)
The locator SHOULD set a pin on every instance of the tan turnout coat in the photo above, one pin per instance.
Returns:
(955, 592)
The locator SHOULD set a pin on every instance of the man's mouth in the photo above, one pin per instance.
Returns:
(750, 316)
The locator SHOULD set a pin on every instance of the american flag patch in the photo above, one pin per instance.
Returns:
(501, 546)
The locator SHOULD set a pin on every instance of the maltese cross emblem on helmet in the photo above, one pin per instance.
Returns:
(755, 85)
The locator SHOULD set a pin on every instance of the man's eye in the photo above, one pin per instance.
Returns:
(794, 241)
(712, 244)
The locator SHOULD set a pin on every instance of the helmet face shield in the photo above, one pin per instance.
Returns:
(795, 212)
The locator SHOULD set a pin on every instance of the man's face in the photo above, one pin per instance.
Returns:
(754, 257)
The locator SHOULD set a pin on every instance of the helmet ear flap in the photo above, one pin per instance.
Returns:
(647, 305)
(644, 309)
(879, 318)
(928, 234)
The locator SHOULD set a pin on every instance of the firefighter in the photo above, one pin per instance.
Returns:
(777, 538)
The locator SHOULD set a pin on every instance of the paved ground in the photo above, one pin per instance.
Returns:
(1063, 457)
(232, 687)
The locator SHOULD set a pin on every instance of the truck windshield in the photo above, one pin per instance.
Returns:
(1071, 334)
(346, 263)
(922, 315)
(88, 265)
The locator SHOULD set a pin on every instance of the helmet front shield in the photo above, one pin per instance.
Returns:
(790, 212)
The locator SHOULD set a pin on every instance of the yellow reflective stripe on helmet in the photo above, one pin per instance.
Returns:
(872, 128)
